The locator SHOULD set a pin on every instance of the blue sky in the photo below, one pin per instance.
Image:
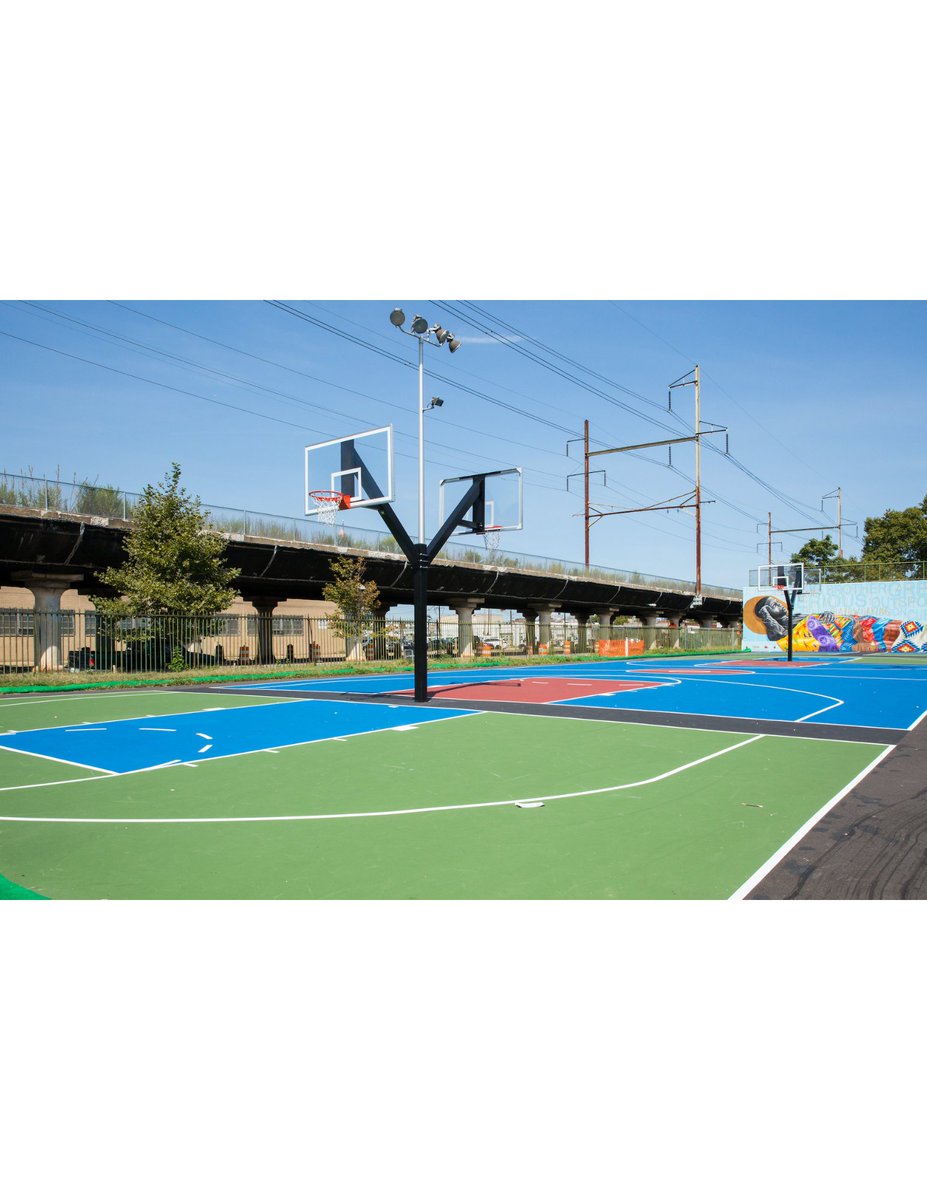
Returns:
(814, 395)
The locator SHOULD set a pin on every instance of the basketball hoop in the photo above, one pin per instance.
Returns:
(328, 505)
(492, 536)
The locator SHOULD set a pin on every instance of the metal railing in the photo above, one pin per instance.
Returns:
(94, 500)
(86, 641)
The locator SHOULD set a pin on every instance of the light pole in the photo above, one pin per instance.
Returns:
(423, 331)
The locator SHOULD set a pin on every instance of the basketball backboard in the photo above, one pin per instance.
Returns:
(359, 466)
(779, 575)
(498, 506)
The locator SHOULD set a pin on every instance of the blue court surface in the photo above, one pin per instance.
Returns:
(812, 689)
(148, 742)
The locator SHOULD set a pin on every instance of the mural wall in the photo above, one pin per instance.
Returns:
(844, 618)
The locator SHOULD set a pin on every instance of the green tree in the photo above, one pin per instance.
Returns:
(356, 600)
(175, 565)
(823, 553)
(898, 536)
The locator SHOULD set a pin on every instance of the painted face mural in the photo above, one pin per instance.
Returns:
(767, 614)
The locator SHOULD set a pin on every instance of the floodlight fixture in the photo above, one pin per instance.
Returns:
(421, 330)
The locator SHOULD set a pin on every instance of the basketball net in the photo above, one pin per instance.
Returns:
(328, 505)
(492, 536)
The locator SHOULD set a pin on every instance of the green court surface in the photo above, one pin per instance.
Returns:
(420, 812)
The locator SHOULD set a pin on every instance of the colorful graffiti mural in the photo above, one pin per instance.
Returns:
(863, 628)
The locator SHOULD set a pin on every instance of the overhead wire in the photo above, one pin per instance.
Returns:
(146, 348)
(796, 505)
(250, 412)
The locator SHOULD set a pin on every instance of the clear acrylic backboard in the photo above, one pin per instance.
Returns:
(792, 576)
(498, 507)
(359, 465)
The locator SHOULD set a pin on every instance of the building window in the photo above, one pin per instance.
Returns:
(282, 626)
(16, 622)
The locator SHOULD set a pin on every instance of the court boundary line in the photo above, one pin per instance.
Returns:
(771, 687)
(620, 787)
(670, 681)
(65, 762)
(877, 735)
(760, 874)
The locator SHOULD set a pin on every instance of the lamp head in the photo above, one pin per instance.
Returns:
(441, 335)
(419, 326)
(398, 317)
(436, 401)
(453, 343)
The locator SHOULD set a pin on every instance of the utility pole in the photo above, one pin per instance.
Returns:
(690, 500)
(585, 475)
(838, 492)
(685, 381)
(586, 485)
(698, 489)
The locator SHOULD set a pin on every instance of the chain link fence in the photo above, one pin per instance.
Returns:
(87, 641)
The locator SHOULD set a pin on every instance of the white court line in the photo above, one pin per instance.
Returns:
(763, 871)
(393, 812)
(453, 715)
(193, 712)
(68, 762)
(769, 687)
(915, 724)
(94, 695)
(28, 787)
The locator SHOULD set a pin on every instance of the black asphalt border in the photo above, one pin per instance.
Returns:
(872, 845)
(587, 712)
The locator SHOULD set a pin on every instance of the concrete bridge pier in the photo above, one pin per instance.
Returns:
(47, 590)
(465, 610)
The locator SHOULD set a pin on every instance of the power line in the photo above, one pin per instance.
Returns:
(796, 505)
(295, 312)
(240, 408)
(192, 364)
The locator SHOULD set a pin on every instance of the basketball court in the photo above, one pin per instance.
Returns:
(635, 780)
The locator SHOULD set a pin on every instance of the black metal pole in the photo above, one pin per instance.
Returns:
(420, 626)
(789, 601)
